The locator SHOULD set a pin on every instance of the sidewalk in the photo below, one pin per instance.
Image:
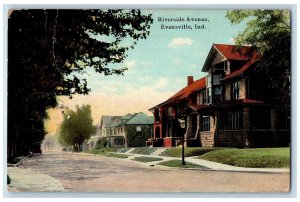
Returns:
(210, 164)
(27, 180)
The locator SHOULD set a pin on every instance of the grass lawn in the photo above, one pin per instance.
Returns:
(177, 163)
(121, 156)
(189, 151)
(107, 152)
(143, 150)
(146, 159)
(253, 158)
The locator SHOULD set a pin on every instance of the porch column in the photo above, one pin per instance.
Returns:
(199, 122)
(188, 132)
(198, 126)
(215, 131)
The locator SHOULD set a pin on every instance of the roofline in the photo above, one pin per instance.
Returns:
(206, 60)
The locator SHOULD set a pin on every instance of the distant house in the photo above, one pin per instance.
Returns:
(131, 130)
(233, 106)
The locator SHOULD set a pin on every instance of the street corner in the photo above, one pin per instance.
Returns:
(27, 180)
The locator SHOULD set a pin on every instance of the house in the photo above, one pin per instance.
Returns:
(131, 130)
(233, 106)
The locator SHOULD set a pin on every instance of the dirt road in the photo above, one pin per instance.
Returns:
(89, 173)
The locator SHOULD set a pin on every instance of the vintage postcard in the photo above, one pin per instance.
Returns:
(149, 100)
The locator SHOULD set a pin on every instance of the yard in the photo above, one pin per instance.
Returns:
(253, 158)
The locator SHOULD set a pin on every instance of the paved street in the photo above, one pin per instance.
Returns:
(89, 173)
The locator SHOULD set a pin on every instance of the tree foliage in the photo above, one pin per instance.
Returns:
(269, 32)
(49, 49)
(77, 126)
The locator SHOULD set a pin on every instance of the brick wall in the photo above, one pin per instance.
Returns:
(167, 142)
(231, 138)
(207, 139)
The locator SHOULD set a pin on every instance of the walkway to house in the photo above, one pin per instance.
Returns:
(209, 164)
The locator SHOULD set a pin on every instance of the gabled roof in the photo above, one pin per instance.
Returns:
(141, 119)
(107, 120)
(246, 66)
(229, 52)
(197, 85)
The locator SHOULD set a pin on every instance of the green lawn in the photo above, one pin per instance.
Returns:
(143, 150)
(178, 163)
(189, 151)
(253, 158)
(121, 156)
(107, 152)
(146, 159)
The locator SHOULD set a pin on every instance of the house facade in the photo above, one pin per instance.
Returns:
(131, 130)
(233, 106)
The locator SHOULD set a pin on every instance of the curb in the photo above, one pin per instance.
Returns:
(19, 162)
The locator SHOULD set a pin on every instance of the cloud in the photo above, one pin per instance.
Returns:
(162, 82)
(180, 42)
(130, 64)
(232, 40)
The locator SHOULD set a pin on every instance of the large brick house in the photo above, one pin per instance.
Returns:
(233, 106)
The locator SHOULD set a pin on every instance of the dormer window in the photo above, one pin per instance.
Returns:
(235, 91)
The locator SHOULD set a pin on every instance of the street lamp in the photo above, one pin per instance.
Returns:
(182, 125)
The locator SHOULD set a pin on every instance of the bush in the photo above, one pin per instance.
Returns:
(101, 143)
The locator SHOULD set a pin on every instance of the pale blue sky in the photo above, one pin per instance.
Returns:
(156, 60)
(158, 66)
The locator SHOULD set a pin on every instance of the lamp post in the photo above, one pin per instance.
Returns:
(182, 125)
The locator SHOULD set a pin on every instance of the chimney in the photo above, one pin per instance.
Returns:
(190, 79)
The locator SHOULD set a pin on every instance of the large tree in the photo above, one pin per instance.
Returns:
(48, 49)
(77, 126)
(269, 32)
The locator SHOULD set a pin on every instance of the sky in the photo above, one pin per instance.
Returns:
(157, 67)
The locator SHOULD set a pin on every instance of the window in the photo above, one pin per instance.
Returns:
(171, 113)
(217, 94)
(169, 129)
(208, 95)
(203, 97)
(156, 114)
(208, 84)
(235, 90)
(205, 123)
(235, 120)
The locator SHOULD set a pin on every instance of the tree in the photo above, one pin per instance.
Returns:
(77, 126)
(49, 49)
(269, 32)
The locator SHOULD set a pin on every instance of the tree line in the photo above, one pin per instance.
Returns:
(48, 49)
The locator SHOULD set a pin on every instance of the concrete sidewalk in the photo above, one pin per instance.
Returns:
(210, 164)
(27, 180)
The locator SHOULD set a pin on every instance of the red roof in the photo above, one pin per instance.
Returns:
(244, 68)
(231, 53)
(186, 91)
